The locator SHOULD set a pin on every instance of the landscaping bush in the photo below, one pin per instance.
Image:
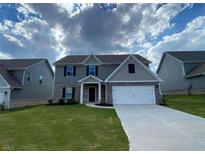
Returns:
(104, 104)
(72, 101)
(163, 100)
(50, 102)
(61, 102)
(2, 107)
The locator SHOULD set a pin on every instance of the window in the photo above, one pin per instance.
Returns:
(28, 76)
(131, 68)
(70, 70)
(92, 70)
(40, 79)
(69, 93)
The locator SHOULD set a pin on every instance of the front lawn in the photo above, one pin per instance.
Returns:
(193, 104)
(67, 127)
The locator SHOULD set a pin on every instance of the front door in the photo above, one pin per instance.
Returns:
(92, 94)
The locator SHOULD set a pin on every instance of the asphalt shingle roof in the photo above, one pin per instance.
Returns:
(189, 56)
(6, 65)
(200, 69)
(19, 63)
(116, 59)
(11, 80)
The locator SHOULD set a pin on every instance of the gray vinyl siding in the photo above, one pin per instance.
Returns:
(103, 72)
(6, 92)
(33, 89)
(2, 82)
(123, 75)
(189, 67)
(18, 74)
(171, 72)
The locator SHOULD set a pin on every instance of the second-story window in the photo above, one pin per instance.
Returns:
(92, 70)
(28, 76)
(70, 70)
(40, 79)
(131, 68)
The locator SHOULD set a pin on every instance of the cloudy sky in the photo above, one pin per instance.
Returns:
(55, 30)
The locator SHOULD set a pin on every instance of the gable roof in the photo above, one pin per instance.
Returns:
(6, 65)
(156, 77)
(199, 70)
(184, 57)
(91, 56)
(107, 59)
(10, 79)
(189, 56)
(19, 63)
(90, 77)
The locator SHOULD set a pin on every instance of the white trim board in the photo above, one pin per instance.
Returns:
(90, 56)
(8, 86)
(134, 81)
(90, 76)
(140, 63)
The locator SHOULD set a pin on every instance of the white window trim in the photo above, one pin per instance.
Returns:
(27, 76)
(67, 70)
(69, 93)
(89, 69)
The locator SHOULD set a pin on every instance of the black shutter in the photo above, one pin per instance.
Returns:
(73, 92)
(96, 69)
(87, 70)
(63, 95)
(65, 70)
(74, 70)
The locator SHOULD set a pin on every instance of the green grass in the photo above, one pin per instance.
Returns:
(193, 104)
(71, 127)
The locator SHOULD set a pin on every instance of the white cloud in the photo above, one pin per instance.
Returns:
(59, 37)
(13, 39)
(73, 9)
(4, 55)
(191, 38)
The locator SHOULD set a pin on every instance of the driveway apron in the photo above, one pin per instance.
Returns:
(154, 127)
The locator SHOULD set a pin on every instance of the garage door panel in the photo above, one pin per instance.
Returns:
(133, 95)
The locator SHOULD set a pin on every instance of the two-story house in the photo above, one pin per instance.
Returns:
(182, 72)
(22, 81)
(117, 79)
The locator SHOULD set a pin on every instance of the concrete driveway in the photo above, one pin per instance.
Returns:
(154, 127)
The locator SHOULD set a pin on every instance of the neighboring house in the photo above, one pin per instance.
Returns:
(24, 80)
(117, 79)
(182, 72)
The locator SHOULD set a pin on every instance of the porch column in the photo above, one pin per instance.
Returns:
(81, 93)
(99, 92)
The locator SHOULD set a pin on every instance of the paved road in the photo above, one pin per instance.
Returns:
(154, 127)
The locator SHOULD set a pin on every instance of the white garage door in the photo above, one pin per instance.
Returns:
(133, 95)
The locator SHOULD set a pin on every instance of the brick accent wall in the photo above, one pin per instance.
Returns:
(58, 90)
(109, 89)
(23, 103)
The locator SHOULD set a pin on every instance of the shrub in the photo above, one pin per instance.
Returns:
(72, 101)
(2, 107)
(50, 101)
(61, 102)
(163, 100)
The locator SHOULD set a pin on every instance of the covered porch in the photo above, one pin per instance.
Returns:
(92, 90)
